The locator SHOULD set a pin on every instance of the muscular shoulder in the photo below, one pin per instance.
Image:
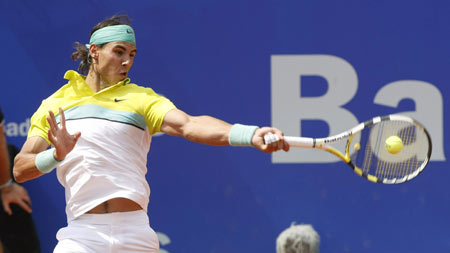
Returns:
(139, 95)
(151, 105)
(132, 88)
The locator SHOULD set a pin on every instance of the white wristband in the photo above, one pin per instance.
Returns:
(241, 135)
(45, 161)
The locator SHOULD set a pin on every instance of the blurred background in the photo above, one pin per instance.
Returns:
(310, 68)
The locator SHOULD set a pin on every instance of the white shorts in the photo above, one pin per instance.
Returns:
(108, 233)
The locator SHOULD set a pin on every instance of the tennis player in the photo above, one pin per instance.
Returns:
(100, 127)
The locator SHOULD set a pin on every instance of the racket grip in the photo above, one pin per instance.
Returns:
(300, 142)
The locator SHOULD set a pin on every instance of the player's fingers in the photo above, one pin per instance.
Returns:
(52, 122)
(76, 136)
(55, 123)
(278, 132)
(280, 144)
(266, 139)
(275, 137)
(274, 140)
(274, 143)
(267, 130)
(62, 117)
(270, 138)
(52, 117)
(51, 138)
(285, 146)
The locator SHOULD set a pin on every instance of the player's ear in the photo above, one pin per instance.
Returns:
(93, 51)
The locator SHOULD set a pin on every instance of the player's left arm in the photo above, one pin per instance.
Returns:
(212, 131)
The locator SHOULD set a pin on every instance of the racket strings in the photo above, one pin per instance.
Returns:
(382, 168)
(400, 169)
(374, 159)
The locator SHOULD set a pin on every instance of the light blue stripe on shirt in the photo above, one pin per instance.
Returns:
(100, 112)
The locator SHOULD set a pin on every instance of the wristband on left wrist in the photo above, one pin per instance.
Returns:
(45, 161)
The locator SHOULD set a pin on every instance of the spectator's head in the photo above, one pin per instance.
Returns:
(298, 239)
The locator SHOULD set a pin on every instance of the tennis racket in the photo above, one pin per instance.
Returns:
(368, 153)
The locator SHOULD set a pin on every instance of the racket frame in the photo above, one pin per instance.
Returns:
(324, 144)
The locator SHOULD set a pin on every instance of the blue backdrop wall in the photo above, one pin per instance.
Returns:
(306, 67)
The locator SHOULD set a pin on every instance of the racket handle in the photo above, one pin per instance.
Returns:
(300, 142)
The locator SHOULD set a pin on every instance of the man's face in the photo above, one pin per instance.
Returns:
(114, 61)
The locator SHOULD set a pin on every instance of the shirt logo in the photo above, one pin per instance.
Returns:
(118, 100)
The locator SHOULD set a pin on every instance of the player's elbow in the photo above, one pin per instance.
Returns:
(18, 172)
(18, 176)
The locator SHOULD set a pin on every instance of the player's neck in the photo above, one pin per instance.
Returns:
(96, 82)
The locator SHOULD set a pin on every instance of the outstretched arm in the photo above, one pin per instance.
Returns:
(212, 131)
(25, 163)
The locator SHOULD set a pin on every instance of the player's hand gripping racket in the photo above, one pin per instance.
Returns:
(391, 149)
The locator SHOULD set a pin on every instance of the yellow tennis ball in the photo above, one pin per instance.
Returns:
(357, 146)
(394, 144)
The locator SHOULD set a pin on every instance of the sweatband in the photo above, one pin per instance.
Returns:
(241, 135)
(111, 34)
(7, 184)
(45, 161)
